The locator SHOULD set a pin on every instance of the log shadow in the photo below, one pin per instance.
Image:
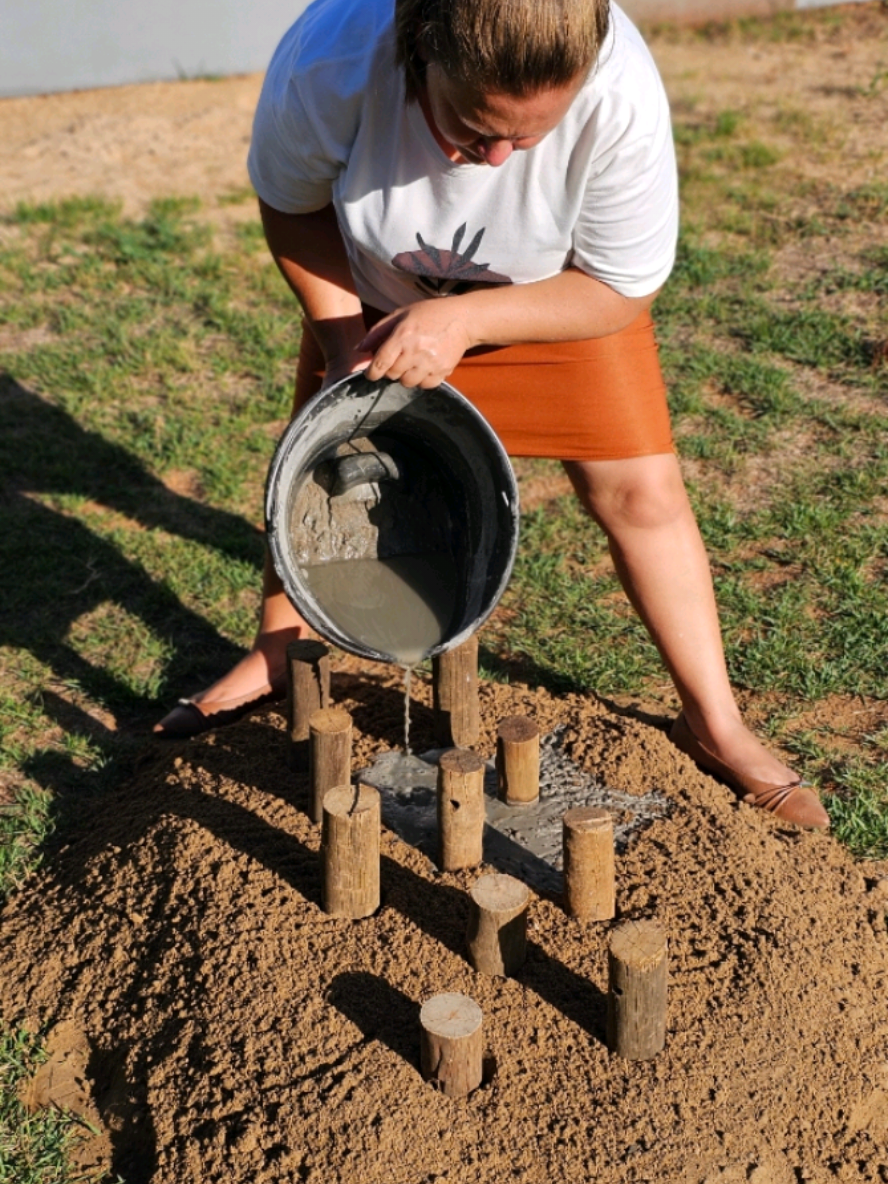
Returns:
(281, 853)
(577, 998)
(381, 1011)
(442, 913)
(121, 1098)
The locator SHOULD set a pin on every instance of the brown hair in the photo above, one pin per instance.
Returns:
(514, 47)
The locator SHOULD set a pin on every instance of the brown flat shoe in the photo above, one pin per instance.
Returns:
(794, 802)
(188, 718)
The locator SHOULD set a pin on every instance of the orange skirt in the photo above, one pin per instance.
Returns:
(601, 399)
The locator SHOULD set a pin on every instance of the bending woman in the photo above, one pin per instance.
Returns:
(484, 191)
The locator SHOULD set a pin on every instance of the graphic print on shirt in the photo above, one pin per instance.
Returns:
(445, 273)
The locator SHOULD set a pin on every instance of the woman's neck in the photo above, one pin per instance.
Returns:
(448, 149)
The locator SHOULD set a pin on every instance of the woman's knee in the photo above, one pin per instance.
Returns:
(640, 493)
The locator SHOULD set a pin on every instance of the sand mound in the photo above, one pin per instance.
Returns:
(237, 1034)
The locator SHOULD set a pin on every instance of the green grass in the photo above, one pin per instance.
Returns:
(148, 370)
(34, 1148)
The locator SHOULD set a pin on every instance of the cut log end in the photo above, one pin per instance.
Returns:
(451, 1015)
(306, 650)
(518, 760)
(497, 931)
(329, 720)
(517, 729)
(498, 893)
(308, 689)
(589, 865)
(349, 800)
(637, 986)
(639, 944)
(455, 705)
(350, 850)
(460, 809)
(461, 761)
(588, 818)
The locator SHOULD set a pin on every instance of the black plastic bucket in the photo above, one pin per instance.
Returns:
(379, 471)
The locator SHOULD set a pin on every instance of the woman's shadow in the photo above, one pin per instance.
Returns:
(55, 571)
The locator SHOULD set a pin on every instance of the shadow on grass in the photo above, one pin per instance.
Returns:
(54, 570)
(519, 668)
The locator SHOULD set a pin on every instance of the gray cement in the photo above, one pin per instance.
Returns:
(522, 841)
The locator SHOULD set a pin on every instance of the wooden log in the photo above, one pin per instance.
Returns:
(460, 809)
(330, 744)
(497, 932)
(518, 760)
(452, 1044)
(636, 1001)
(589, 874)
(308, 690)
(350, 850)
(457, 713)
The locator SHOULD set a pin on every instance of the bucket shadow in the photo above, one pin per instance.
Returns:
(517, 668)
(379, 712)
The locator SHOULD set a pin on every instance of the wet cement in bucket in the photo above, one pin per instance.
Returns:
(400, 605)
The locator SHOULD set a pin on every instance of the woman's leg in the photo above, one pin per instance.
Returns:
(265, 664)
(642, 505)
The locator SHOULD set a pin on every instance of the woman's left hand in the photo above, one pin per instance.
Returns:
(420, 345)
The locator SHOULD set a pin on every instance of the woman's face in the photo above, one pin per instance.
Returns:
(488, 128)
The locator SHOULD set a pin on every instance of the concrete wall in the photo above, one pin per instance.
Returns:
(49, 45)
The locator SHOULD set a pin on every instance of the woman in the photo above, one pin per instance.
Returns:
(484, 191)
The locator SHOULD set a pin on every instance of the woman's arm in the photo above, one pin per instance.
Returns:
(423, 343)
(310, 254)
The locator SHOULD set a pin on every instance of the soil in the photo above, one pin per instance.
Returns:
(237, 1033)
(215, 1025)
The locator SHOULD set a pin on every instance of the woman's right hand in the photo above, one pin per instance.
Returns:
(419, 345)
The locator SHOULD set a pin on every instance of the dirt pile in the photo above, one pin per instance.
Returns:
(236, 1033)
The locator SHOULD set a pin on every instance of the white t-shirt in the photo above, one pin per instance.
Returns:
(599, 192)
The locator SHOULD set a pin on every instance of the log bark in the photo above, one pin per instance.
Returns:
(518, 760)
(350, 850)
(457, 713)
(452, 1044)
(460, 809)
(330, 744)
(589, 872)
(636, 1002)
(308, 690)
(497, 932)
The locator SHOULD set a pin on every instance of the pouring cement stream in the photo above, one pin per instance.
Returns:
(408, 674)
